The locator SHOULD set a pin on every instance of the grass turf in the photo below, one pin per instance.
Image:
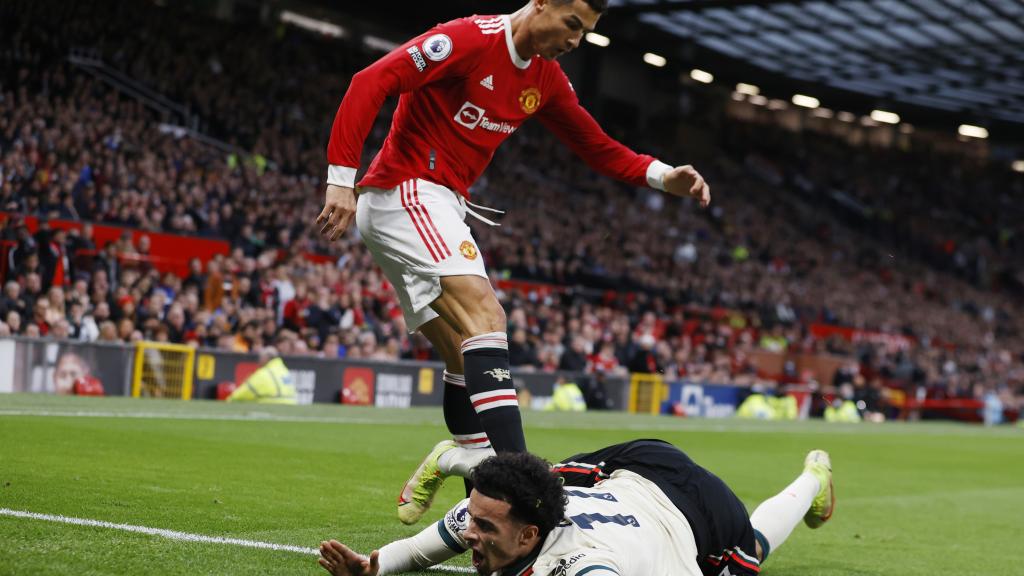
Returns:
(913, 498)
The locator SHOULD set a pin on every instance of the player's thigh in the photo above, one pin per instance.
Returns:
(412, 290)
(417, 236)
(469, 304)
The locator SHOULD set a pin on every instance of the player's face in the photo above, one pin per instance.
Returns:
(496, 539)
(561, 27)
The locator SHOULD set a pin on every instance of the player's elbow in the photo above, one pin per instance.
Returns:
(360, 80)
(376, 84)
(362, 76)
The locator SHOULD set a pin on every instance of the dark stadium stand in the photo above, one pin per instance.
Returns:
(918, 254)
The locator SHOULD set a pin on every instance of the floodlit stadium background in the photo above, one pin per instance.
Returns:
(161, 164)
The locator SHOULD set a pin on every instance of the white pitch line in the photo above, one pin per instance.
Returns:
(171, 534)
(185, 536)
(251, 417)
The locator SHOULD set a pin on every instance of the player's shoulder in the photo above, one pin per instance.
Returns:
(567, 552)
(456, 520)
(553, 77)
(475, 28)
(460, 37)
(453, 525)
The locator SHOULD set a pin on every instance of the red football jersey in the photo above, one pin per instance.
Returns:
(464, 89)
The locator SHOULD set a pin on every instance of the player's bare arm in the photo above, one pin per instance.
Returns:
(685, 182)
(340, 560)
(339, 209)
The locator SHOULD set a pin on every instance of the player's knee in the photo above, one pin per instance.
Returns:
(499, 322)
(496, 319)
(486, 320)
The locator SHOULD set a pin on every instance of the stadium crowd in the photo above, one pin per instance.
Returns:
(924, 246)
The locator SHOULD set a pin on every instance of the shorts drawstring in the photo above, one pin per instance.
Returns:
(466, 204)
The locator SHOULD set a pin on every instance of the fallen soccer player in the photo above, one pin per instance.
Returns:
(640, 508)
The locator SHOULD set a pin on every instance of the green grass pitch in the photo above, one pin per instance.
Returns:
(912, 498)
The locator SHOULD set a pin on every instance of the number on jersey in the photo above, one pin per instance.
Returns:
(586, 521)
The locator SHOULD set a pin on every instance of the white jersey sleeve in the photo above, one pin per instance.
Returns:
(438, 542)
(453, 524)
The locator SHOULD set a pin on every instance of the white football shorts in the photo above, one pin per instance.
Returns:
(417, 233)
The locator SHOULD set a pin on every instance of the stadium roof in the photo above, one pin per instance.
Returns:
(958, 56)
(935, 62)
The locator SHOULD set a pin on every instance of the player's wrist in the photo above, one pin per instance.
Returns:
(656, 171)
(341, 176)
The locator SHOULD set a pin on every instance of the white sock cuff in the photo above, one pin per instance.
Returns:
(472, 441)
(494, 399)
(454, 379)
(497, 340)
(461, 461)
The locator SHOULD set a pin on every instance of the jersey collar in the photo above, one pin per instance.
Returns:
(519, 62)
(523, 567)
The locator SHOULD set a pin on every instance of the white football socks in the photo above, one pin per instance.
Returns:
(460, 461)
(776, 517)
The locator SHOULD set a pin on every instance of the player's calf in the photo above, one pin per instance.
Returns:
(464, 425)
(491, 391)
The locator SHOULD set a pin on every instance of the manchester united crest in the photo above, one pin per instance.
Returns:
(468, 250)
(529, 100)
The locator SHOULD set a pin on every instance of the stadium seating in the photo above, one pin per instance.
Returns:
(899, 247)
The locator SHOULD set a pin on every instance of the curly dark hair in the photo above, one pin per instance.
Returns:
(526, 482)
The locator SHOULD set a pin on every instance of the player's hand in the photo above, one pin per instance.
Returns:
(339, 209)
(339, 560)
(684, 181)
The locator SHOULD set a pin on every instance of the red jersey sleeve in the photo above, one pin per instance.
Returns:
(576, 128)
(445, 51)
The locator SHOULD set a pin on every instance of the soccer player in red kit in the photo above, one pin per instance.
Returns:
(464, 86)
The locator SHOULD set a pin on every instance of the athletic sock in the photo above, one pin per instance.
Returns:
(461, 461)
(464, 424)
(776, 517)
(491, 392)
(459, 416)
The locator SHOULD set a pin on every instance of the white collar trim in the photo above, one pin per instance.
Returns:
(519, 62)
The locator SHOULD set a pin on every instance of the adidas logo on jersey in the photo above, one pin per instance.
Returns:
(488, 82)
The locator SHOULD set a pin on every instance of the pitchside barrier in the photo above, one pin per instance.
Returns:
(150, 369)
(651, 394)
(52, 367)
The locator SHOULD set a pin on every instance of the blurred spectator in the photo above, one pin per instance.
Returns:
(645, 360)
(521, 351)
(272, 383)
